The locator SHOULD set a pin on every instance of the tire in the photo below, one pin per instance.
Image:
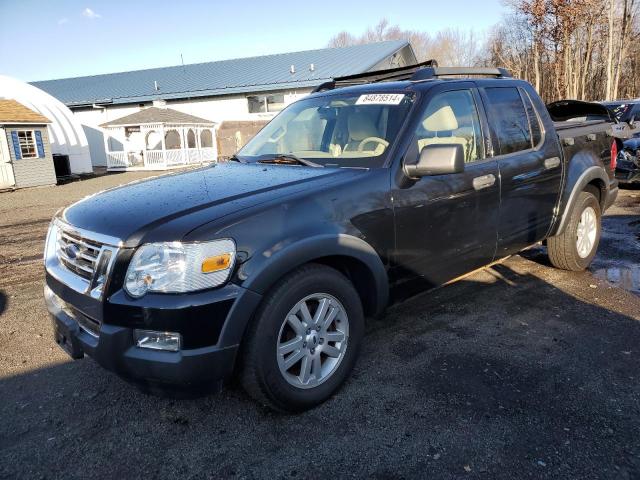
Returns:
(563, 249)
(264, 374)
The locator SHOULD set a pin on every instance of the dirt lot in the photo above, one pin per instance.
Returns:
(519, 371)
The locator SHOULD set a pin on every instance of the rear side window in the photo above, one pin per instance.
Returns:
(509, 119)
(534, 120)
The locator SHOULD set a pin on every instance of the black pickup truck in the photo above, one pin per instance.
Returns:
(265, 267)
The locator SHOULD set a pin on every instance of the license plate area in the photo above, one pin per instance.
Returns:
(67, 339)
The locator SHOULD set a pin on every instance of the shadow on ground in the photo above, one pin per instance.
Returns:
(503, 376)
(618, 259)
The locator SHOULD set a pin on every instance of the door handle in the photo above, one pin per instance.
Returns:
(552, 162)
(484, 181)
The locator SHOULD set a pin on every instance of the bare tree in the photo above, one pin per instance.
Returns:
(583, 49)
(342, 39)
(449, 46)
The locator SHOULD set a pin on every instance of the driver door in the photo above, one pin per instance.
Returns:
(446, 225)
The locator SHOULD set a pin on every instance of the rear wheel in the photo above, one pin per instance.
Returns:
(304, 340)
(575, 248)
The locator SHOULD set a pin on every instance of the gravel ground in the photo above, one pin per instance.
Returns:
(518, 371)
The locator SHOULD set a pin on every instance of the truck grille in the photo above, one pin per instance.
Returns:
(78, 254)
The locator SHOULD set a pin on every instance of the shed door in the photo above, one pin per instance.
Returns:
(6, 169)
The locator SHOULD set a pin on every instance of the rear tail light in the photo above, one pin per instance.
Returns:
(614, 154)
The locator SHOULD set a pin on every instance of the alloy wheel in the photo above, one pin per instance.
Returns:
(586, 232)
(312, 341)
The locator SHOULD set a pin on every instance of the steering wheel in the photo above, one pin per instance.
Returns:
(378, 140)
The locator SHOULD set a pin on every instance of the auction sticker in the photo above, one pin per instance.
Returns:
(380, 99)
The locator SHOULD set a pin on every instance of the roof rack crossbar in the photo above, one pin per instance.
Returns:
(399, 73)
(435, 72)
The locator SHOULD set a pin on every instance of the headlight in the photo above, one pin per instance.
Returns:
(179, 267)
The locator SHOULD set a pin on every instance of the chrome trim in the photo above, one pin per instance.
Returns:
(552, 162)
(60, 272)
(98, 237)
(86, 330)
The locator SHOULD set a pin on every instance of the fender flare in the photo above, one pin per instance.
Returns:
(268, 271)
(590, 174)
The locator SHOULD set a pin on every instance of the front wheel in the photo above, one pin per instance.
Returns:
(575, 248)
(304, 340)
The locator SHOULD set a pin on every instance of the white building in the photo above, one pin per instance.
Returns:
(239, 95)
(66, 135)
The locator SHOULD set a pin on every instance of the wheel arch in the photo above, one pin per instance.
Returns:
(348, 254)
(593, 177)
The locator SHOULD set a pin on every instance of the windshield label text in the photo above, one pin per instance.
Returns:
(380, 99)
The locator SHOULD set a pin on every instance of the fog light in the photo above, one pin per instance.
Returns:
(168, 341)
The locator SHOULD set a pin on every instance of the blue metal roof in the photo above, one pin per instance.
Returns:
(254, 74)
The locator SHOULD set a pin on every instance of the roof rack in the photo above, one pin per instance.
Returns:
(419, 71)
(435, 72)
(391, 74)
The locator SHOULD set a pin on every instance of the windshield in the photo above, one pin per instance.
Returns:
(333, 130)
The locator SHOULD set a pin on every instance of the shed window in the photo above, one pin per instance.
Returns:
(265, 103)
(27, 141)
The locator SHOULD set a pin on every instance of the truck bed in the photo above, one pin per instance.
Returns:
(572, 128)
(574, 118)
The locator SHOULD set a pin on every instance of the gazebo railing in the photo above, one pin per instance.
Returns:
(190, 149)
(118, 159)
(160, 159)
(154, 159)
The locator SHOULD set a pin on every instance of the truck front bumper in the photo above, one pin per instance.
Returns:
(114, 348)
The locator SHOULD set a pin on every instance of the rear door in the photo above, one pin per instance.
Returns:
(529, 163)
(446, 224)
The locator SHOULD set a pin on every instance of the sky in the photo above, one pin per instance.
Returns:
(47, 39)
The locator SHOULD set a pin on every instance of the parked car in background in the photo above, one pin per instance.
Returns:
(628, 159)
(373, 187)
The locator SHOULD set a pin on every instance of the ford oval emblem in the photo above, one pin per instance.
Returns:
(72, 251)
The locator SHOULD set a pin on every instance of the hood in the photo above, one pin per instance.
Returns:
(178, 203)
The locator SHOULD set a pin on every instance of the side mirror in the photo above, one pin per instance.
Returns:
(437, 159)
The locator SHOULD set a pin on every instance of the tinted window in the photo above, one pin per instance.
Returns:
(509, 119)
(451, 118)
(534, 120)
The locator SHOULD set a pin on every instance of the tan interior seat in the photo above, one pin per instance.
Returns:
(441, 121)
(361, 126)
(297, 138)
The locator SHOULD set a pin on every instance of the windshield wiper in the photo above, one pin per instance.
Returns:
(289, 159)
(235, 158)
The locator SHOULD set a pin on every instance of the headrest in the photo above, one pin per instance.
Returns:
(441, 120)
(361, 126)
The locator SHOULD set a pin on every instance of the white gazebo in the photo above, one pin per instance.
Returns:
(159, 139)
